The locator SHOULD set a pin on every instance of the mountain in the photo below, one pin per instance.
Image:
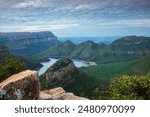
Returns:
(123, 49)
(131, 45)
(85, 51)
(60, 74)
(26, 43)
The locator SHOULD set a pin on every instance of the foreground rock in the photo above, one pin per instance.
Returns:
(60, 74)
(58, 94)
(24, 85)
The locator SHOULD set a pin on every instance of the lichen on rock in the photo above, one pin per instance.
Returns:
(24, 85)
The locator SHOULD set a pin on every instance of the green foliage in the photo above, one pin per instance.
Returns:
(125, 88)
(106, 72)
(83, 85)
(10, 66)
(42, 82)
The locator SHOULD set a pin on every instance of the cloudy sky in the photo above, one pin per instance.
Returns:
(77, 17)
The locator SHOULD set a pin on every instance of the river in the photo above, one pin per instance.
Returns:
(46, 65)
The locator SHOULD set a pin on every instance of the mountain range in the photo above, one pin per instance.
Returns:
(127, 55)
(39, 46)
(126, 48)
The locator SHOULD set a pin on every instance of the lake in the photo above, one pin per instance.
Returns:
(46, 65)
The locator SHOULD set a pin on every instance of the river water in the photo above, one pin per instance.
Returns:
(46, 65)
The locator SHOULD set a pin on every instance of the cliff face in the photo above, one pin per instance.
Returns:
(61, 73)
(28, 43)
(131, 45)
(25, 86)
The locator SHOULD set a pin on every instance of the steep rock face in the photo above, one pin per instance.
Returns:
(24, 85)
(58, 94)
(23, 43)
(131, 45)
(61, 73)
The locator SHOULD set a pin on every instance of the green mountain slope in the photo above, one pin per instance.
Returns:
(123, 49)
(102, 74)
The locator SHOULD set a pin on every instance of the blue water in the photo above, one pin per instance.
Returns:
(77, 40)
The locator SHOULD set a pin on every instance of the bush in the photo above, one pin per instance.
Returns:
(10, 66)
(125, 88)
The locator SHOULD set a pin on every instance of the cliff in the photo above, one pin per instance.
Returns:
(25, 86)
(61, 73)
(25, 43)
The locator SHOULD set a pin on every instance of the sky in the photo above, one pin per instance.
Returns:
(69, 18)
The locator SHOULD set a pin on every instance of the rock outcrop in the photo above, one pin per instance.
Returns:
(24, 85)
(61, 73)
(58, 94)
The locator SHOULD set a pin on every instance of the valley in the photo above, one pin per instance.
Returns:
(81, 68)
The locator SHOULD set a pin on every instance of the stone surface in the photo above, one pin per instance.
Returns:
(58, 94)
(60, 74)
(21, 86)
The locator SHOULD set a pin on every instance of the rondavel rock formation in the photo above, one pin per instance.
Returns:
(26, 86)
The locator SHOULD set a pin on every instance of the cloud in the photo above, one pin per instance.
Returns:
(127, 23)
(22, 28)
(30, 3)
(36, 15)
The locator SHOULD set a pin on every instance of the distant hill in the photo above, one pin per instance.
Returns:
(126, 48)
(26, 43)
(5, 53)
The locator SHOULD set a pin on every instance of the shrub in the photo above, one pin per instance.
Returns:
(125, 88)
(10, 66)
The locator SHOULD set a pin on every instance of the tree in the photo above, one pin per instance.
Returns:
(126, 88)
(10, 66)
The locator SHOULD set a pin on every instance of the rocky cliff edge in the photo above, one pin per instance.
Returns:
(26, 86)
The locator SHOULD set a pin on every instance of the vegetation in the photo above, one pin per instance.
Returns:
(42, 82)
(108, 71)
(60, 64)
(10, 66)
(125, 88)
(126, 48)
(83, 85)
(101, 75)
